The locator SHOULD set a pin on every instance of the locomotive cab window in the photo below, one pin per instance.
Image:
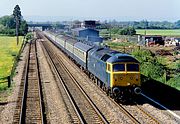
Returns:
(118, 67)
(108, 67)
(132, 67)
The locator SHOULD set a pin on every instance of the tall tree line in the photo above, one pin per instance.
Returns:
(144, 24)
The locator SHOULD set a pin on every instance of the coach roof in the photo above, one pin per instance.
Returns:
(82, 46)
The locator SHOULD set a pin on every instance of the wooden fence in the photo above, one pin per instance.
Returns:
(124, 49)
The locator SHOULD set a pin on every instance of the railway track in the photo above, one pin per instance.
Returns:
(172, 115)
(30, 107)
(69, 104)
(140, 114)
(86, 110)
(135, 113)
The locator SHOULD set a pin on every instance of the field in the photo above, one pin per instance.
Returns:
(175, 32)
(8, 50)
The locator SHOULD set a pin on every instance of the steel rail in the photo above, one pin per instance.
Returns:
(64, 87)
(25, 92)
(86, 96)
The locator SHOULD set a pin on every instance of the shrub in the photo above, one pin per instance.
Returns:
(128, 31)
(150, 67)
(175, 82)
(29, 36)
(143, 55)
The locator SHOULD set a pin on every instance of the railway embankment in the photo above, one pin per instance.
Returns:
(162, 93)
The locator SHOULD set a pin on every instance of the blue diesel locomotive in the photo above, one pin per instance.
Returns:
(116, 73)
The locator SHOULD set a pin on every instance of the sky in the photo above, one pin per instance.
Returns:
(121, 10)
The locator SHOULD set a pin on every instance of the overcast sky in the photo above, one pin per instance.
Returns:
(97, 9)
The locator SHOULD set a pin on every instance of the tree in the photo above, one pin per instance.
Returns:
(7, 21)
(177, 24)
(8, 26)
(17, 18)
(23, 28)
(128, 31)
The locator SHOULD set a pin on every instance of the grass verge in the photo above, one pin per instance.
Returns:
(8, 51)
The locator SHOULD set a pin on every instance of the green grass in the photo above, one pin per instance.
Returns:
(3, 86)
(8, 51)
(175, 32)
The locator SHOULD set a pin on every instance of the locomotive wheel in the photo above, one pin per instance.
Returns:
(81, 68)
(111, 95)
(91, 77)
(95, 80)
(104, 87)
(107, 92)
(99, 83)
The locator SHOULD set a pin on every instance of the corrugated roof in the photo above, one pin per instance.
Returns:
(81, 29)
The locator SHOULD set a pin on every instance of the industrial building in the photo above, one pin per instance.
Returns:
(150, 40)
(88, 32)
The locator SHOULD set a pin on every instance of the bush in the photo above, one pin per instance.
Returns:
(128, 31)
(29, 36)
(175, 82)
(115, 30)
(143, 55)
(8, 26)
(150, 67)
(9, 32)
(152, 70)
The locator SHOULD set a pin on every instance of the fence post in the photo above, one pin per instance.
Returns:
(139, 47)
(165, 77)
(9, 81)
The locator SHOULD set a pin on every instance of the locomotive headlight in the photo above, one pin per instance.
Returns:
(121, 78)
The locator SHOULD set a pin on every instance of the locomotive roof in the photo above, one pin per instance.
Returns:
(122, 58)
(111, 56)
(99, 52)
(82, 46)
